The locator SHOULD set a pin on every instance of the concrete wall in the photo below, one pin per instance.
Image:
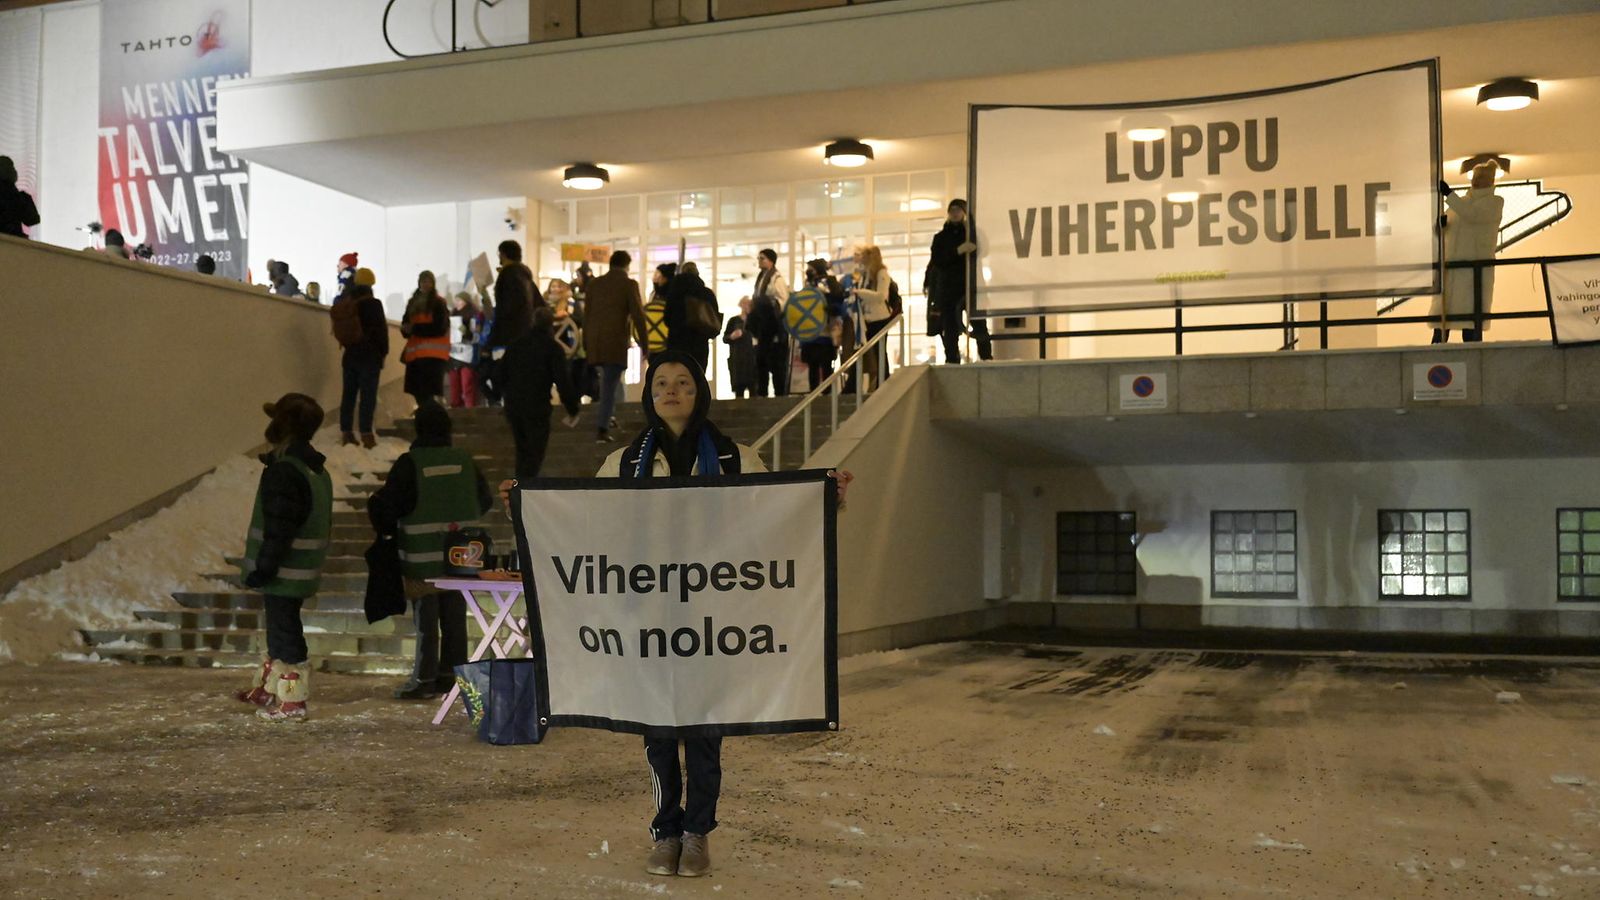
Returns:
(124, 381)
(910, 549)
(1513, 507)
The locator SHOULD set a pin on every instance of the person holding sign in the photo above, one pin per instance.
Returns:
(679, 439)
(1473, 233)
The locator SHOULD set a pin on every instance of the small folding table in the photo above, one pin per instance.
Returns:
(501, 618)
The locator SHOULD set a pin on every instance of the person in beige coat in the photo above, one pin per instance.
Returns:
(613, 313)
(1473, 232)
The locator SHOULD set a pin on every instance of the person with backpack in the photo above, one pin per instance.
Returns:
(693, 320)
(361, 327)
(285, 550)
(741, 350)
(877, 297)
(813, 314)
(432, 489)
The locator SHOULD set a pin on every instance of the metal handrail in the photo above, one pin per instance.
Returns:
(774, 435)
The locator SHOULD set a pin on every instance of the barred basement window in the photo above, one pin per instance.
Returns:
(1424, 554)
(1253, 553)
(1095, 553)
(1578, 554)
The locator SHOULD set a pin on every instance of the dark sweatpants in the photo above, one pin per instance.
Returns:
(702, 756)
(531, 432)
(772, 367)
(286, 639)
(441, 620)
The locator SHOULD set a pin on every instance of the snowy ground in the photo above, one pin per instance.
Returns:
(970, 771)
(141, 566)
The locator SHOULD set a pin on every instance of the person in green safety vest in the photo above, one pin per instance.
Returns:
(431, 489)
(285, 550)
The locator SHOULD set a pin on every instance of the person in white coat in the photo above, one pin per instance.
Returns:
(1473, 232)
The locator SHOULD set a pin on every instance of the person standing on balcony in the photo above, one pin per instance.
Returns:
(426, 326)
(946, 284)
(431, 488)
(17, 209)
(1473, 232)
(285, 550)
(614, 313)
(874, 289)
(766, 323)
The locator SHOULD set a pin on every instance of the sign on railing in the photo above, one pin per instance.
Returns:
(1319, 191)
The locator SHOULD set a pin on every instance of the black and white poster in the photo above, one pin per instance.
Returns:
(1572, 291)
(683, 605)
(1317, 191)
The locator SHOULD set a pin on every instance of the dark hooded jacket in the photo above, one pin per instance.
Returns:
(285, 506)
(683, 286)
(680, 453)
(946, 275)
(398, 496)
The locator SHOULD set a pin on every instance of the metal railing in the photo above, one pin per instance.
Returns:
(1322, 324)
(854, 367)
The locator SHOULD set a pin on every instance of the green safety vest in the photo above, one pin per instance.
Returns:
(301, 570)
(447, 497)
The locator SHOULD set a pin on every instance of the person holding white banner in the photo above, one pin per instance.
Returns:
(679, 440)
(1473, 233)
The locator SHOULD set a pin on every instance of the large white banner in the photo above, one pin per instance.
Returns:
(683, 605)
(1319, 191)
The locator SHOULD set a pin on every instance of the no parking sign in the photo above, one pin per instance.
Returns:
(1145, 390)
(1439, 381)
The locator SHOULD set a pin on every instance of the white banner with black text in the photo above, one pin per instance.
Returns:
(1314, 192)
(683, 605)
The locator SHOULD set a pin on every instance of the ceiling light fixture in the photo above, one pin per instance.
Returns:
(1502, 164)
(1508, 93)
(585, 177)
(847, 153)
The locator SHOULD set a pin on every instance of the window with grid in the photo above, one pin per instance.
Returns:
(1253, 553)
(1095, 553)
(1424, 554)
(1578, 554)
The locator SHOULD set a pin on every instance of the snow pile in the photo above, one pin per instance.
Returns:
(141, 566)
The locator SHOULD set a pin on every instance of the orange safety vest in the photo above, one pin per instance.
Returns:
(426, 347)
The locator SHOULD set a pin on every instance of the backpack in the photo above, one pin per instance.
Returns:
(700, 320)
(346, 320)
(895, 306)
(805, 314)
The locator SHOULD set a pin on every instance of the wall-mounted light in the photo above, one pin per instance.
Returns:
(1502, 164)
(1146, 126)
(1508, 93)
(585, 177)
(847, 153)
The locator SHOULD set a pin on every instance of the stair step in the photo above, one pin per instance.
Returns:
(333, 621)
(252, 600)
(253, 641)
(348, 664)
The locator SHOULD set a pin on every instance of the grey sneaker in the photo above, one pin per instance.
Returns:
(664, 857)
(696, 858)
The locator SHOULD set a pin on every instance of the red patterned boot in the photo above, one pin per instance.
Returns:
(292, 690)
(259, 693)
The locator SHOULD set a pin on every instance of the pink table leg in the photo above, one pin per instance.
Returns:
(505, 598)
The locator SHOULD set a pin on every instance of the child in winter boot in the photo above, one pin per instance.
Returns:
(286, 548)
(260, 691)
(293, 687)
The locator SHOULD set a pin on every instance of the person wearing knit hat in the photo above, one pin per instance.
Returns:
(364, 356)
(285, 549)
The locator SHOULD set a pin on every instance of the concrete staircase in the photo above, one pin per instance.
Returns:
(225, 629)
